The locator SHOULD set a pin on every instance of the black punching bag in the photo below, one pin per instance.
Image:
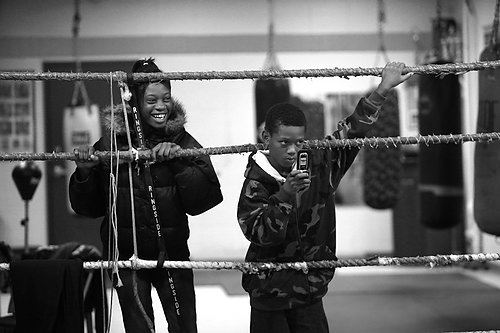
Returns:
(268, 93)
(382, 166)
(441, 182)
(487, 155)
(26, 176)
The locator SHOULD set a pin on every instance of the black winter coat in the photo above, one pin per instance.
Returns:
(182, 186)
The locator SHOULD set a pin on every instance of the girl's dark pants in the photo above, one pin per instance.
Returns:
(133, 318)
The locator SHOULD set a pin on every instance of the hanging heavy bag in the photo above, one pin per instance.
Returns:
(382, 166)
(487, 155)
(268, 93)
(441, 183)
(82, 127)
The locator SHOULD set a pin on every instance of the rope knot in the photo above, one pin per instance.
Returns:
(134, 154)
(125, 91)
(134, 262)
(302, 266)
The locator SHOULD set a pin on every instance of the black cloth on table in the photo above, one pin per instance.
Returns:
(48, 295)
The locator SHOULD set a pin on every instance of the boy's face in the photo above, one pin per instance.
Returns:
(283, 146)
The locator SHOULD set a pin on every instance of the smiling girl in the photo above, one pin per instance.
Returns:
(180, 186)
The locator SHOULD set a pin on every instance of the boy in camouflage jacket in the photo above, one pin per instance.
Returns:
(288, 215)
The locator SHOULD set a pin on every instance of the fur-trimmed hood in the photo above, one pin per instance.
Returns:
(175, 123)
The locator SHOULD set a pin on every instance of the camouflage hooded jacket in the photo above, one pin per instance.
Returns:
(283, 232)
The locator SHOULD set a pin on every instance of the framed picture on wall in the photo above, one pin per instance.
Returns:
(17, 116)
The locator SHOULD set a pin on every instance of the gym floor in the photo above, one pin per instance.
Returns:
(372, 299)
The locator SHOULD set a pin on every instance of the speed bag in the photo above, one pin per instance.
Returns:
(268, 93)
(440, 165)
(487, 155)
(382, 166)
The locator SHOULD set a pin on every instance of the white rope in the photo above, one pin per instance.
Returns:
(113, 251)
(131, 185)
(113, 183)
(134, 257)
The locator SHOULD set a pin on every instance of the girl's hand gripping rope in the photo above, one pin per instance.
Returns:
(85, 161)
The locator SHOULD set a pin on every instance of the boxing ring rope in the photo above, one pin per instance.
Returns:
(256, 267)
(440, 70)
(374, 142)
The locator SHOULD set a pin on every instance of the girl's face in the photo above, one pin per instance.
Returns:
(156, 105)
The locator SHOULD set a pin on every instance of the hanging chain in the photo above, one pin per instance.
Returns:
(381, 34)
(79, 85)
(439, 9)
(76, 33)
(271, 62)
(270, 41)
(438, 54)
(494, 27)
